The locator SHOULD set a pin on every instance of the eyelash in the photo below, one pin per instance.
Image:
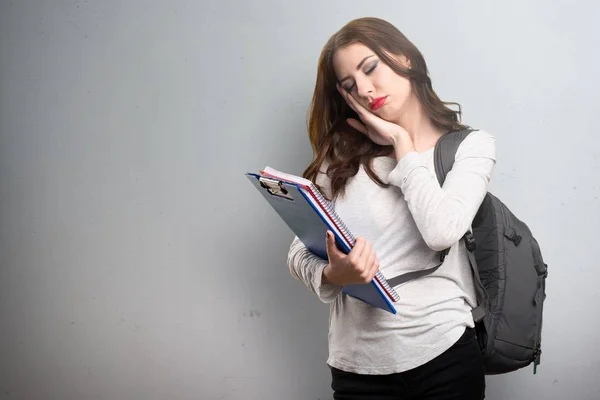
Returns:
(367, 72)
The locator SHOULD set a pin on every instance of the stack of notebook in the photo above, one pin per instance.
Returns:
(309, 215)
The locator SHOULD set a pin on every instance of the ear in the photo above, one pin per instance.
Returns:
(401, 60)
(405, 61)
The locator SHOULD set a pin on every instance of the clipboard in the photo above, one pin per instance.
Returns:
(309, 215)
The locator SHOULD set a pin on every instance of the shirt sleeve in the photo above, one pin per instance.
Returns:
(308, 267)
(444, 214)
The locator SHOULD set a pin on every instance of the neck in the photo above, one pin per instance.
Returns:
(419, 126)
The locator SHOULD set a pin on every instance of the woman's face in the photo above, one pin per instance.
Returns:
(371, 82)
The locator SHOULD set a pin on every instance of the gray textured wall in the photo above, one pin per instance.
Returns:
(137, 262)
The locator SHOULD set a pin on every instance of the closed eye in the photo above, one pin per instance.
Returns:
(371, 68)
(368, 71)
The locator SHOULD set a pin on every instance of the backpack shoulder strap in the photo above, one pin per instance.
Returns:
(443, 158)
(445, 151)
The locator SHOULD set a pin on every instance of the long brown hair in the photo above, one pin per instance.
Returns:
(331, 137)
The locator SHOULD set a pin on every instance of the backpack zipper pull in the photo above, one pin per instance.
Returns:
(536, 359)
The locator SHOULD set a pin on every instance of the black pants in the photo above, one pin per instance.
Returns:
(457, 374)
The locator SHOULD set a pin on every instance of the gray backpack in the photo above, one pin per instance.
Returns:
(510, 276)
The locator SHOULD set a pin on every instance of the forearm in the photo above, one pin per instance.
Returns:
(310, 269)
(444, 214)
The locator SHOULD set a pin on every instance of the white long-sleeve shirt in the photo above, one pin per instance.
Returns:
(408, 224)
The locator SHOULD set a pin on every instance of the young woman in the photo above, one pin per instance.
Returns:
(374, 122)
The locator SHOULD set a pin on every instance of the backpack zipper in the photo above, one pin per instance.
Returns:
(537, 347)
(537, 354)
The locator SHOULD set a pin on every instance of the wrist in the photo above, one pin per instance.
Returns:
(396, 137)
(402, 143)
(326, 275)
(402, 150)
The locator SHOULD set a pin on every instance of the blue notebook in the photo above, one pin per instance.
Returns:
(309, 215)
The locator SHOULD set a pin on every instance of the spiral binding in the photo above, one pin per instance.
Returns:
(330, 210)
(348, 235)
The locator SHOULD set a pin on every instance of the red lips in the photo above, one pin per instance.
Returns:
(377, 103)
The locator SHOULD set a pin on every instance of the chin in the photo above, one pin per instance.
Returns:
(388, 114)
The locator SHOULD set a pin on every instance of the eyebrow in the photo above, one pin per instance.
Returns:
(360, 64)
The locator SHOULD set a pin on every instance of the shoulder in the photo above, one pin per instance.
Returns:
(479, 143)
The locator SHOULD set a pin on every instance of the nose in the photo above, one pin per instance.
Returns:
(364, 87)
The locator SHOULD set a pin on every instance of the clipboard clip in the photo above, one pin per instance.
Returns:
(275, 187)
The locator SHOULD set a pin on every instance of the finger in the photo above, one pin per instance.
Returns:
(346, 96)
(362, 261)
(366, 262)
(371, 266)
(359, 126)
(375, 266)
(366, 254)
(370, 261)
(364, 115)
(357, 250)
(351, 101)
(355, 104)
(332, 250)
